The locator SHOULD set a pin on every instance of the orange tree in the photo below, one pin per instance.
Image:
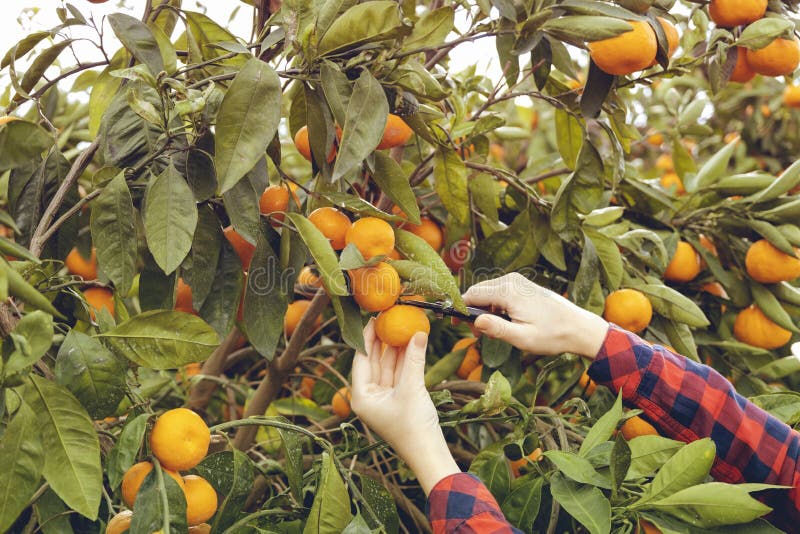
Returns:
(212, 225)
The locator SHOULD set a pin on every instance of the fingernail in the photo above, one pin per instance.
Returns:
(420, 339)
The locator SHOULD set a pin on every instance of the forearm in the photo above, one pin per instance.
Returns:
(430, 460)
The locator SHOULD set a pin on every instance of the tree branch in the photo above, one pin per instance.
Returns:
(201, 392)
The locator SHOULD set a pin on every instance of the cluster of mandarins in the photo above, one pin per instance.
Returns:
(764, 263)
(97, 298)
(179, 441)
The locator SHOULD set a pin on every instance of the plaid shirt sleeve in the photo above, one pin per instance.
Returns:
(461, 504)
(688, 401)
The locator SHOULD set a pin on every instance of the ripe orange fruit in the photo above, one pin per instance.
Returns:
(308, 277)
(274, 202)
(183, 298)
(476, 374)
(636, 426)
(673, 37)
(707, 244)
(457, 254)
(180, 439)
(628, 52)
(397, 325)
(243, 248)
(303, 145)
(97, 298)
(755, 328)
(202, 528)
(306, 388)
(648, 528)
(133, 478)
(80, 266)
(497, 152)
(120, 522)
(716, 289)
(665, 163)
(671, 180)
(587, 384)
(472, 358)
(333, 224)
(779, 58)
(293, 314)
(742, 72)
(340, 403)
(396, 133)
(201, 499)
(768, 265)
(655, 139)
(375, 288)
(371, 236)
(628, 308)
(428, 230)
(517, 465)
(685, 264)
(791, 96)
(192, 369)
(730, 13)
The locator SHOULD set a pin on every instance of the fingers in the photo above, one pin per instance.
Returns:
(362, 370)
(488, 295)
(496, 327)
(413, 374)
(388, 363)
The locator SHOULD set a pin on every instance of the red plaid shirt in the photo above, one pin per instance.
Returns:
(685, 401)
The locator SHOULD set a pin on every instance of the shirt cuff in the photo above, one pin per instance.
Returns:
(621, 362)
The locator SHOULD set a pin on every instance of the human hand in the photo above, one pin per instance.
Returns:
(542, 322)
(389, 395)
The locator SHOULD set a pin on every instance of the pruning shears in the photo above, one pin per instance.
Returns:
(441, 309)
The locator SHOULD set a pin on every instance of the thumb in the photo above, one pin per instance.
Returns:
(497, 327)
(413, 374)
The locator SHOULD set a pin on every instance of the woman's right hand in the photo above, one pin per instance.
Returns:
(542, 322)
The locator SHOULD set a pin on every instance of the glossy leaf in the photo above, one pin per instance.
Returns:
(394, 183)
(31, 339)
(585, 503)
(323, 255)
(363, 23)
(21, 461)
(114, 233)
(126, 450)
(139, 39)
(687, 467)
(330, 513)
(159, 500)
(417, 249)
(450, 183)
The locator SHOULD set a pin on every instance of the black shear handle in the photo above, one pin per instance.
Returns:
(470, 316)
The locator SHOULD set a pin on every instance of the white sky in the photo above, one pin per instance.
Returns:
(24, 16)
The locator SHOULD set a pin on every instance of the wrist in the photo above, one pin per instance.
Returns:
(589, 334)
(430, 460)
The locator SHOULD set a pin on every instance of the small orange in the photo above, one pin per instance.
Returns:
(655, 139)
(97, 298)
(525, 461)
(333, 224)
(753, 327)
(306, 388)
(730, 13)
(294, 312)
(179, 439)
(791, 96)
(630, 309)
(340, 403)
(716, 289)
(371, 236)
(707, 244)
(303, 145)
(779, 58)
(308, 277)
(457, 254)
(397, 325)
(120, 523)
(135, 475)
(192, 369)
(428, 230)
(628, 52)
(671, 181)
(665, 163)
(636, 426)
(648, 528)
(685, 264)
(183, 298)
(476, 374)
(274, 203)
(375, 288)
(201, 499)
(396, 133)
(80, 266)
(497, 152)
(243, 248)
(587, 384)
(472, 358)
(742, 72)
(768, 265)
(202, 528)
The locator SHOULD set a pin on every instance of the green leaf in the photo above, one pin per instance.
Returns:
(336, 87)
(265, 301)
(19, 288)
(363, 128)
(712, 170)
(92, 373)
(292, 447)
(788, 180)
(114, 233)
(72, 463)
(762, 32)
(620, 462)
(496, 397)
(603, 429)
(235, 491)
(450, 183)
(209, 35)
(126, 450)
(569, 137)
(585, 28)
(21, 460)
(581, 192)
(772, 308)
(221, 305)
(688, 467)
(394, 183)
(170, 218)
(491, 466)
(674, 305)
(247, 121)
(363, 23)
(649, 453)
(137, 38)
(522, 505)
(712, 505)
(10, 248)
(431, 29)
(417, 249)
(610, 257)
(25, 45)
(204, 256)
(43, 61)
(159, 498)
(586, 504)
(162, 339)
(323, 254)
(350, 323)
(577, 468)
(382, 508)
(330, 513)
(32, 337)
(22, 142)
